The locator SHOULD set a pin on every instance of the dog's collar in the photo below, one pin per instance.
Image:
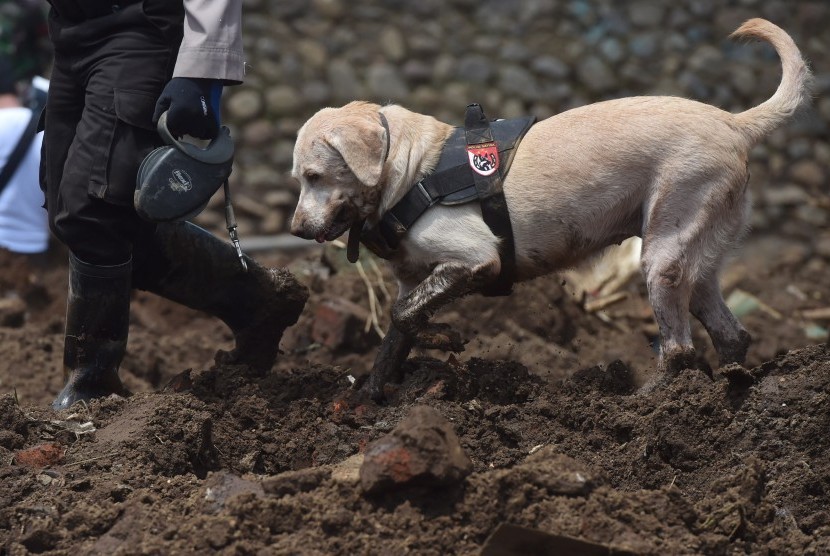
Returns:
(353, 244)
(385, 123)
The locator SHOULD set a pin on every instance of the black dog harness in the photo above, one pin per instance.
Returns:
(473, 164)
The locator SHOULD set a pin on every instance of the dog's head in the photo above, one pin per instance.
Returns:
(338, 160)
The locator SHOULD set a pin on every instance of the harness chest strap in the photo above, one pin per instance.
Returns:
(484, 160)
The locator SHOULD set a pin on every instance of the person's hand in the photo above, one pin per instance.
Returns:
(192, 107)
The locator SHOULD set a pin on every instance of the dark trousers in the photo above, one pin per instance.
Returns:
(107, 75)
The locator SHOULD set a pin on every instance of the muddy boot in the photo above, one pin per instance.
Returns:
(97, 322)
(188, 265)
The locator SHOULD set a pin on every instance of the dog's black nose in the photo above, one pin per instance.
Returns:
(298, 227)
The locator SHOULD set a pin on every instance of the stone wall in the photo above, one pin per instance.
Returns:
(522, 57)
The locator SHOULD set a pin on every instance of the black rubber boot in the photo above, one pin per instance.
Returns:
(188, 265)
(97, 323)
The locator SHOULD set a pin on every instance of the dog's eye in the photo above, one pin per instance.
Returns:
(312, 176)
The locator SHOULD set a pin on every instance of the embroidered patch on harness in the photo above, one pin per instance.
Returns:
(484, 158)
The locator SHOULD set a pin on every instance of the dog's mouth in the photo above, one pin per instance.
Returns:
(342, 221)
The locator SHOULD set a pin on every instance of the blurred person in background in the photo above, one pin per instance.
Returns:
(25, 55)
(24, 39)
(24, 232)
(118, 66)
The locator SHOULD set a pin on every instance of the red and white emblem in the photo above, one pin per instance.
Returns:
(484, 158)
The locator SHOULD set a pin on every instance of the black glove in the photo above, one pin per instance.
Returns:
(192, 107)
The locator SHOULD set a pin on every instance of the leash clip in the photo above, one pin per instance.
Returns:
(230, 221)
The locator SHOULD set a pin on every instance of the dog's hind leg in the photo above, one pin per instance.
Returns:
(729, 337)
(690, 226)
(729, 208)
(669, 290)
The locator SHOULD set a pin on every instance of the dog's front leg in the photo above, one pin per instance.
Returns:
(393, 352)
(410, 319)
(446, 283)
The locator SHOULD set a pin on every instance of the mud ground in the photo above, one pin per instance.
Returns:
(569, 428)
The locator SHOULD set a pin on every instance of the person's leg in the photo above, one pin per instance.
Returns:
(191, 266)
(96, 137)
(97, 319)
(93, 215)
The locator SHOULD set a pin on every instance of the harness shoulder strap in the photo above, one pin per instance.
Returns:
(19, 153)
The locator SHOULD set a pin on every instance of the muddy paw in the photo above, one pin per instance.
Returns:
(672, 364)
(384, 372)
(375, 386)
(440, 336)
(734, 352)
(679, 360)
(231, 357)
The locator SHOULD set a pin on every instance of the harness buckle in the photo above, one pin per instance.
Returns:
(429, 200)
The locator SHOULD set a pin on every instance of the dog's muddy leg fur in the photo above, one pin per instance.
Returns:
(729, 337)
(669, 293)
(446, 283)
(410, 319)
(393, 352)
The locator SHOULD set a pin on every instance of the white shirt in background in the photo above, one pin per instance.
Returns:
(23, 224)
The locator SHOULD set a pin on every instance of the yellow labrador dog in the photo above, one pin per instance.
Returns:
(670, 170)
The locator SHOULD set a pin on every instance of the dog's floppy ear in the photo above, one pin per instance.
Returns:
(362, 144)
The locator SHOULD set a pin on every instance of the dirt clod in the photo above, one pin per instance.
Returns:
(423, 449)
(42, 455)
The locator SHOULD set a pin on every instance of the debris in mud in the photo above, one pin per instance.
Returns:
(348, 470)
(12, 312)
(513, 540)
(552, 472)
(743, 303)
(607, 274)
(221, 486)
(739, 378)
(661, 472)
(292, 482)
(422, 449)
(13, 423)
(339, 323)
(42, 455)
(182, 382)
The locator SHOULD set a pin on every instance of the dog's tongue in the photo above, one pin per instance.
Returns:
(353, 247)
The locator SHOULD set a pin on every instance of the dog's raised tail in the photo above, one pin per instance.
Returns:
(792, 92)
